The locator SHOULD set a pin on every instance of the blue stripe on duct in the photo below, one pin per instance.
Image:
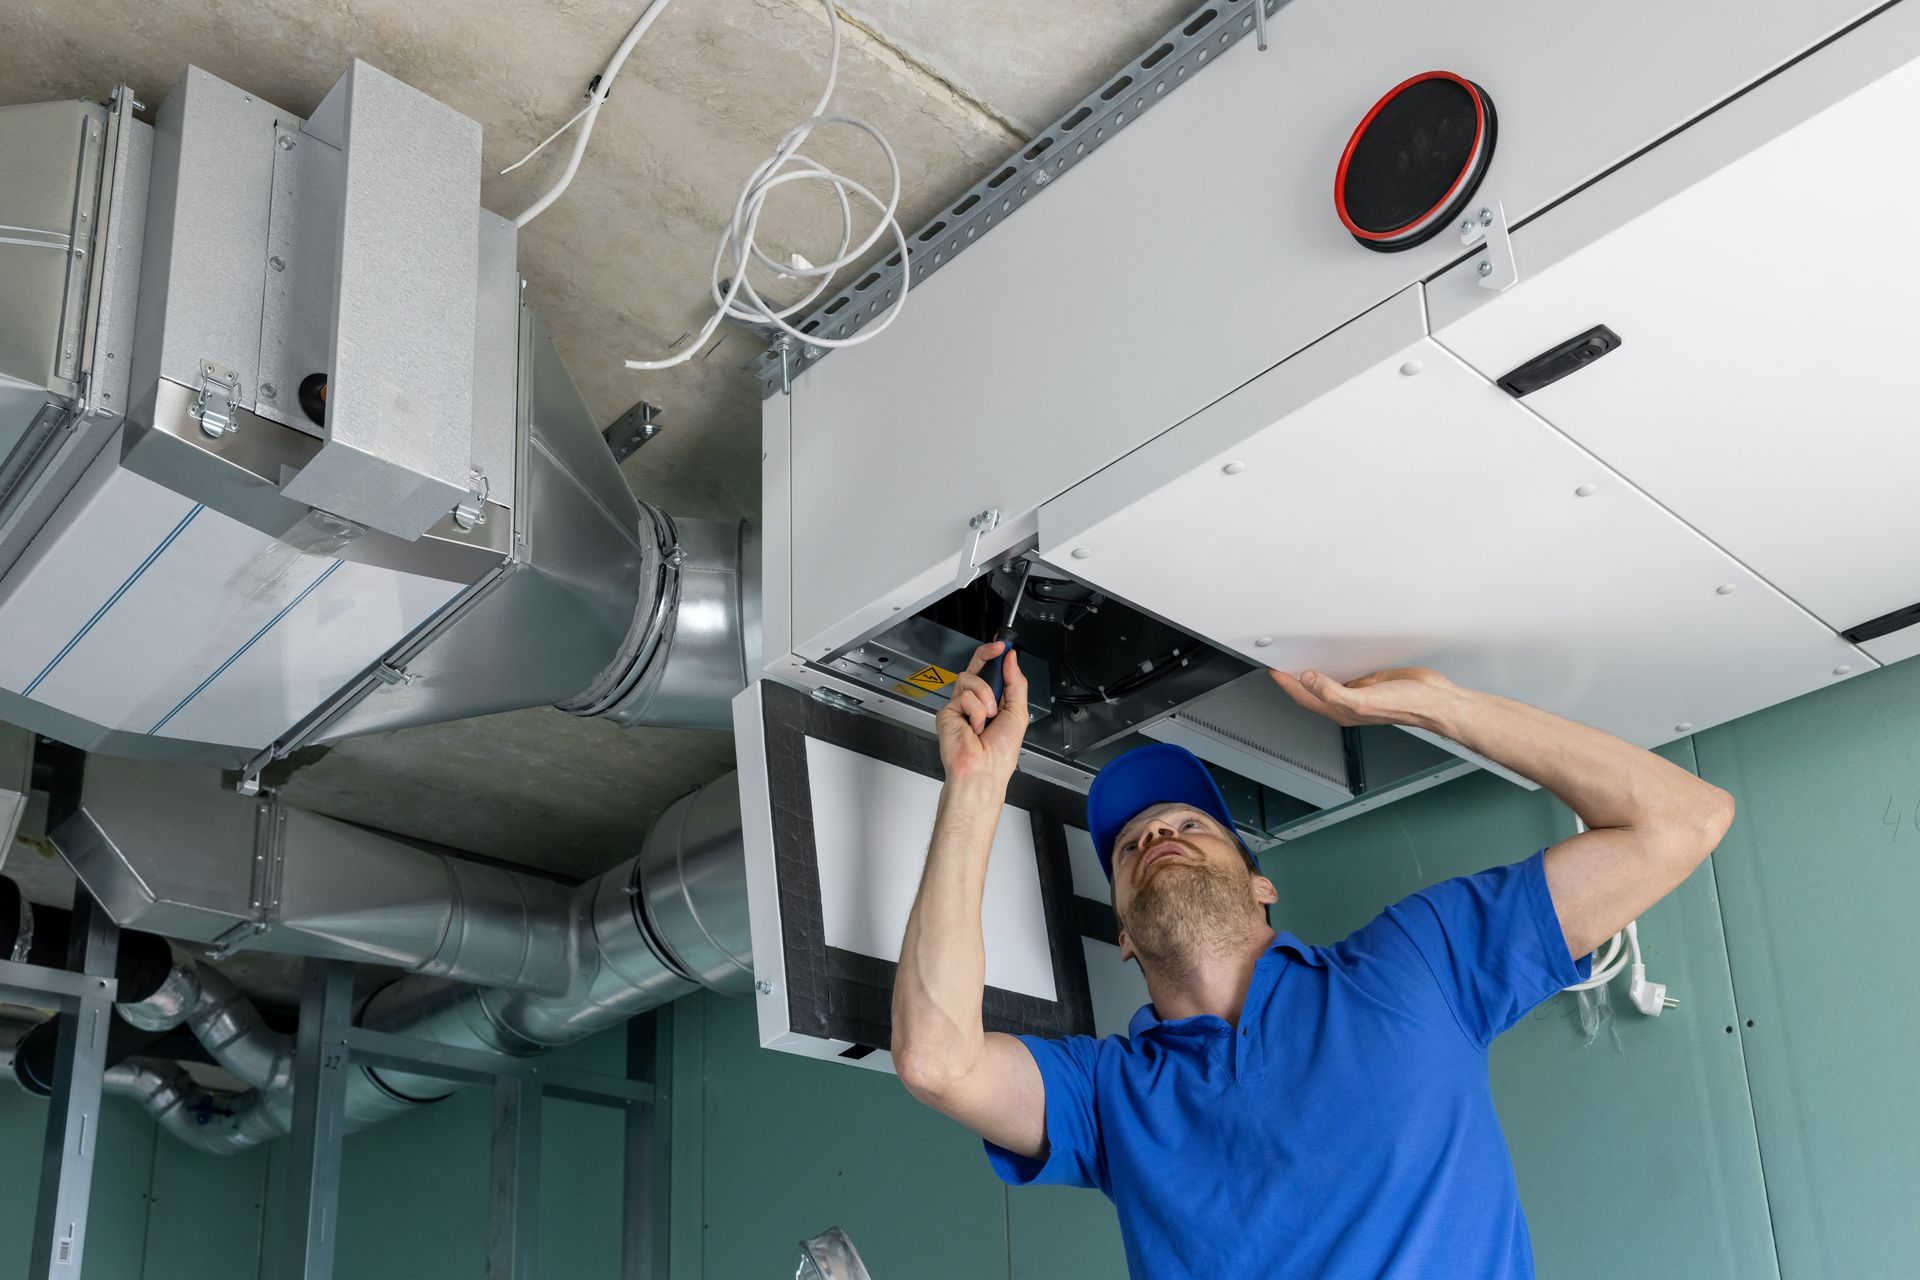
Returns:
(113, 599)
(234, 657)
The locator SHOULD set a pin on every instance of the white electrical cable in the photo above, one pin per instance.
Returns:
(588, 114)
(734, 297)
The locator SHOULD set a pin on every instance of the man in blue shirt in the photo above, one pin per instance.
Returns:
(1282, 1110)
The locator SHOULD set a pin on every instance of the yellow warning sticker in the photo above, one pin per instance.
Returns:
(932, 679)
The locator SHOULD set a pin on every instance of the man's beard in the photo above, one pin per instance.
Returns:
(1189, 910)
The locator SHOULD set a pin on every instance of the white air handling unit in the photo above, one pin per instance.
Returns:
(1621, 428)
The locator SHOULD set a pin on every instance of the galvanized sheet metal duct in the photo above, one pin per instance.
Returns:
(167, 848)
(659, 926)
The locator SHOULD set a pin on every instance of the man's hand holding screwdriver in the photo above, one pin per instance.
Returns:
(980, 735)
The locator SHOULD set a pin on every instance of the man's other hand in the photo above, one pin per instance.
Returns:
(979, 737)
(1402, 695)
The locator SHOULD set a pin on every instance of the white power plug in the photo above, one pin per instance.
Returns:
(1650, 998)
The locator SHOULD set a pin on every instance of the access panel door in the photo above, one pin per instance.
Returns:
(1374, 502)
(1759, 271)
(837, 808)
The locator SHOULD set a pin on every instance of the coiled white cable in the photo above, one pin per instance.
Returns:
(734, 296)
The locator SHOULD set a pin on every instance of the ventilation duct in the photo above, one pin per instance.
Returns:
(200, 562)
(666, 922)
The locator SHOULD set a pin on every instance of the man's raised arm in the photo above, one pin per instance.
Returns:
(987, 1082)
(1651, 821)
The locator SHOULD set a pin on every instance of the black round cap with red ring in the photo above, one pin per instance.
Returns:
(1415, 161)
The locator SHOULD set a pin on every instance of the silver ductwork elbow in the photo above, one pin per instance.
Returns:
(664, 923)
(216, 1123)
(233, 1033)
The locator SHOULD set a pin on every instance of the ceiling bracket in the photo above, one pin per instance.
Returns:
(1488, 226)
(979, 526)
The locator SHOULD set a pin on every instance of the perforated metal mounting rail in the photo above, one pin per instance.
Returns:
(1168, 62)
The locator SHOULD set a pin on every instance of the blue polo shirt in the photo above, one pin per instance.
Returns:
(1344, 1130)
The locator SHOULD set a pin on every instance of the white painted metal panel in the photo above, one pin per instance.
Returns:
(1393, 507)
(871, 820)
(1762, 390)
(1194, 250)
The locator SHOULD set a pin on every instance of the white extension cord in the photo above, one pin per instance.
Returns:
(1621, 953)
(733, 295)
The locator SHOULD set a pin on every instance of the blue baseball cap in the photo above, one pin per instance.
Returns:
(1159, 773)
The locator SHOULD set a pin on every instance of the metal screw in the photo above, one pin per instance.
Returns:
(1466, 228)
(813, 353)
(764, 987)
(277, 262)
(266, 391)
(1486, 267)
(286, 143)
(1486, 217)
(1041, 177)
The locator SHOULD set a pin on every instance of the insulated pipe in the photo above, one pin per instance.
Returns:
(171, 1002)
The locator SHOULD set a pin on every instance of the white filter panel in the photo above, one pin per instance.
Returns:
(871, 821)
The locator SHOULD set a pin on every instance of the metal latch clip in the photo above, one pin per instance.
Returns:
(213, 407)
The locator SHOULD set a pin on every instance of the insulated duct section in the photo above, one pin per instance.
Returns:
(666, 922)
(284, 459)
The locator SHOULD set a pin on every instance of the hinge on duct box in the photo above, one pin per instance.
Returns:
(263, 896)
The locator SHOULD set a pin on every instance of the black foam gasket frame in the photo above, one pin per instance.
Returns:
(842, 995)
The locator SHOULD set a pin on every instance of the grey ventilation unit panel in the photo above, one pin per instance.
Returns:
(1252, 728)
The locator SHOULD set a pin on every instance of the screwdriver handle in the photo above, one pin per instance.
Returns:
(995, 670)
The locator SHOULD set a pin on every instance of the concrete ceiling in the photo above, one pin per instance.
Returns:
(618, 267)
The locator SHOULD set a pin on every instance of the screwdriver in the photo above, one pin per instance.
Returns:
(995, 671)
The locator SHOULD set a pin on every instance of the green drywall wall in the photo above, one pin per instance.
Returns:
(413, 1191)
(117, 1221)
(412, 1194)
(1820, 880)
(794, 1146)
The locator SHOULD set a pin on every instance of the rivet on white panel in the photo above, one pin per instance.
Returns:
(1234, 468)
(1586, 491)
(1081, 553)
(1842, 669)
(1683, 726)
(1724, 589)
(1410, 368)
(1263, 642)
